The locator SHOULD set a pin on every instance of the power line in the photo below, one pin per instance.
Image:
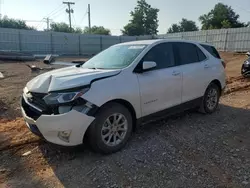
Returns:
(89, 18)
(55, 10)
(237, 6)
(74, 19)
(56, 15)
(83, 17)
(0, 9)
(243, 8)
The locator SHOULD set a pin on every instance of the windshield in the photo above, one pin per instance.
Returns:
(115, 57)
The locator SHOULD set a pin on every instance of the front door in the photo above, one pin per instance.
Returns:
(160, 88)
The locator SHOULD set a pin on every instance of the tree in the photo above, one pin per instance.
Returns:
(175, 28)
(97, 30)
(14, 23)
(221, 16)
(78, 30)
(144, 20)
(183, 26)
(61, 27)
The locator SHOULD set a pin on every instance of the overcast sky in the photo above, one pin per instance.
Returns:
(114, 14)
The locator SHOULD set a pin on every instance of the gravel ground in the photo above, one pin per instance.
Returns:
(188, 150)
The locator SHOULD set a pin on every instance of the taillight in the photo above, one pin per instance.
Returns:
(223, 63)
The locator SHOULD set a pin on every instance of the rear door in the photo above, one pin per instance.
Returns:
(160, 88)
(214, 66)
(191, 58)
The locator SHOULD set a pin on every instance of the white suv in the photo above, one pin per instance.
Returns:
(104, 99)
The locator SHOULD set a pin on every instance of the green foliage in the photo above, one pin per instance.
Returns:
(221, 16)
(14, 23)
(61, 27)
(144, 20)
(97, 30)
(78, 30)
(175, 28)
(183, 26)
(225, 24)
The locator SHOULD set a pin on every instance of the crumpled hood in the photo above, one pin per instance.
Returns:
(67, 78)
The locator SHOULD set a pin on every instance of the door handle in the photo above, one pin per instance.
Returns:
(176, 73)
(206, 66)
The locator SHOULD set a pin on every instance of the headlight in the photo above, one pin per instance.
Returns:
(60, 98)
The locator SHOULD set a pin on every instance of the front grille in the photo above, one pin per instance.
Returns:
(37, 100)
(30, 111)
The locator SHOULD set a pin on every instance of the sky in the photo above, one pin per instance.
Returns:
(114, 14)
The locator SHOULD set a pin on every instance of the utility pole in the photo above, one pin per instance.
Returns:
(69, 11)
(89, 18)
(47, 21)
(0, 9)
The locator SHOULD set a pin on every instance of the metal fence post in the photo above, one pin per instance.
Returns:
(19, 41)
(206, 36)
(51, 43)
(79, 44)
(120, 39)
(101, 43)
(225, 45)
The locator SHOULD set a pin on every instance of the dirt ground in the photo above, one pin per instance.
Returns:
(187, 150)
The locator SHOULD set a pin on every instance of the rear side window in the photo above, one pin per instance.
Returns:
(211, 50)
(201, 55)
(162, 54)
(187, 53)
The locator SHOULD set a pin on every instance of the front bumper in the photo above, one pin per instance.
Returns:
(48, 126)
(245, 70)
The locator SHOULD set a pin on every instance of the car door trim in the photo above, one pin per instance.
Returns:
(195, 103)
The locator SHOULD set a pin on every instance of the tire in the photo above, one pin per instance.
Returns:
(208, 105)
(101, 127)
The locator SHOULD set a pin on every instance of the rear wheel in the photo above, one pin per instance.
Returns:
(210, 99)
(111, 129)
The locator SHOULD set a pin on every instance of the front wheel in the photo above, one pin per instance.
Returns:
(111, 129)
(210, 99)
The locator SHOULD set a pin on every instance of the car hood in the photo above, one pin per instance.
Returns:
(67, 78)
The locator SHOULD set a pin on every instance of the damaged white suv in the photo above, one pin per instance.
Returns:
(126, 84)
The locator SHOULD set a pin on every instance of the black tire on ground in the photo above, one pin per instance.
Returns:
(204, 108)
(95, 130)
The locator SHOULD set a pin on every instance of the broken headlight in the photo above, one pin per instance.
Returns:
(61, 98)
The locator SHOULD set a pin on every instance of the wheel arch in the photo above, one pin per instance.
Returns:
(128, 105)
(217, 82)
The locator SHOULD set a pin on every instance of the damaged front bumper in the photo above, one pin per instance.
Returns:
(245, 70)
(65, 129)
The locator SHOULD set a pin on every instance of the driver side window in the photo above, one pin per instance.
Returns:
(162, 54)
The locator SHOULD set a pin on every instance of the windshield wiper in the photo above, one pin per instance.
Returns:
(92, 68)
(79, 65)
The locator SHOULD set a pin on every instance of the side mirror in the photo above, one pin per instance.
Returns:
(148, 65)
